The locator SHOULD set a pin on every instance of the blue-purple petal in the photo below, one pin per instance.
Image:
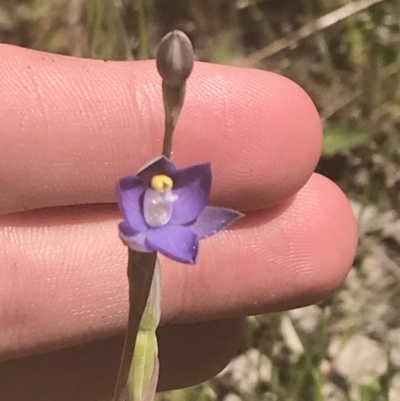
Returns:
(193, 186)
(130, 190)
(176, 242)
(212, 220)
(133, 239)
(159, 165)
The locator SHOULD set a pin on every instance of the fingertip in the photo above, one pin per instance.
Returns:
(290, 256)
(340, 241)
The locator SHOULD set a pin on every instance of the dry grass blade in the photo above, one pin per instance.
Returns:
(345, 101)
(307, 30)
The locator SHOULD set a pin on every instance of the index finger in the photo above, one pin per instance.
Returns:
(71, 127)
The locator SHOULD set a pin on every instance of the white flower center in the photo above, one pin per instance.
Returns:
(157, 206)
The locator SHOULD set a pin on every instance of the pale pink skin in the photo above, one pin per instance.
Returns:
(69, 129)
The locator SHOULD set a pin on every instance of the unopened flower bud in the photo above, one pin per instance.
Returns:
(175, 58)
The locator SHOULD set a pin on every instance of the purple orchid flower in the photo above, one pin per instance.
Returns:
(165, 209)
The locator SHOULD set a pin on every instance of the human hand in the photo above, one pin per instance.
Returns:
(69, 129)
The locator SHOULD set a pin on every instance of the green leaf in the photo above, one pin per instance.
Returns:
(338, 139)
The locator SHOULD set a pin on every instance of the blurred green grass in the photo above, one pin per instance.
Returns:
(350, 68)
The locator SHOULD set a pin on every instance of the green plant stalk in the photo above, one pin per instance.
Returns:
(143, 45)
(146, 349)
(141, 268)
(173, 97)
(138, 373)
(96, 11)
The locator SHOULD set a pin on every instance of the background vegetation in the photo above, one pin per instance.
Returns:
(346, 55)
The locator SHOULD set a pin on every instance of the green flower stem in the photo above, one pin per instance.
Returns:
(146, 349)
(173, 97)
(141, 268)
(138, 373)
